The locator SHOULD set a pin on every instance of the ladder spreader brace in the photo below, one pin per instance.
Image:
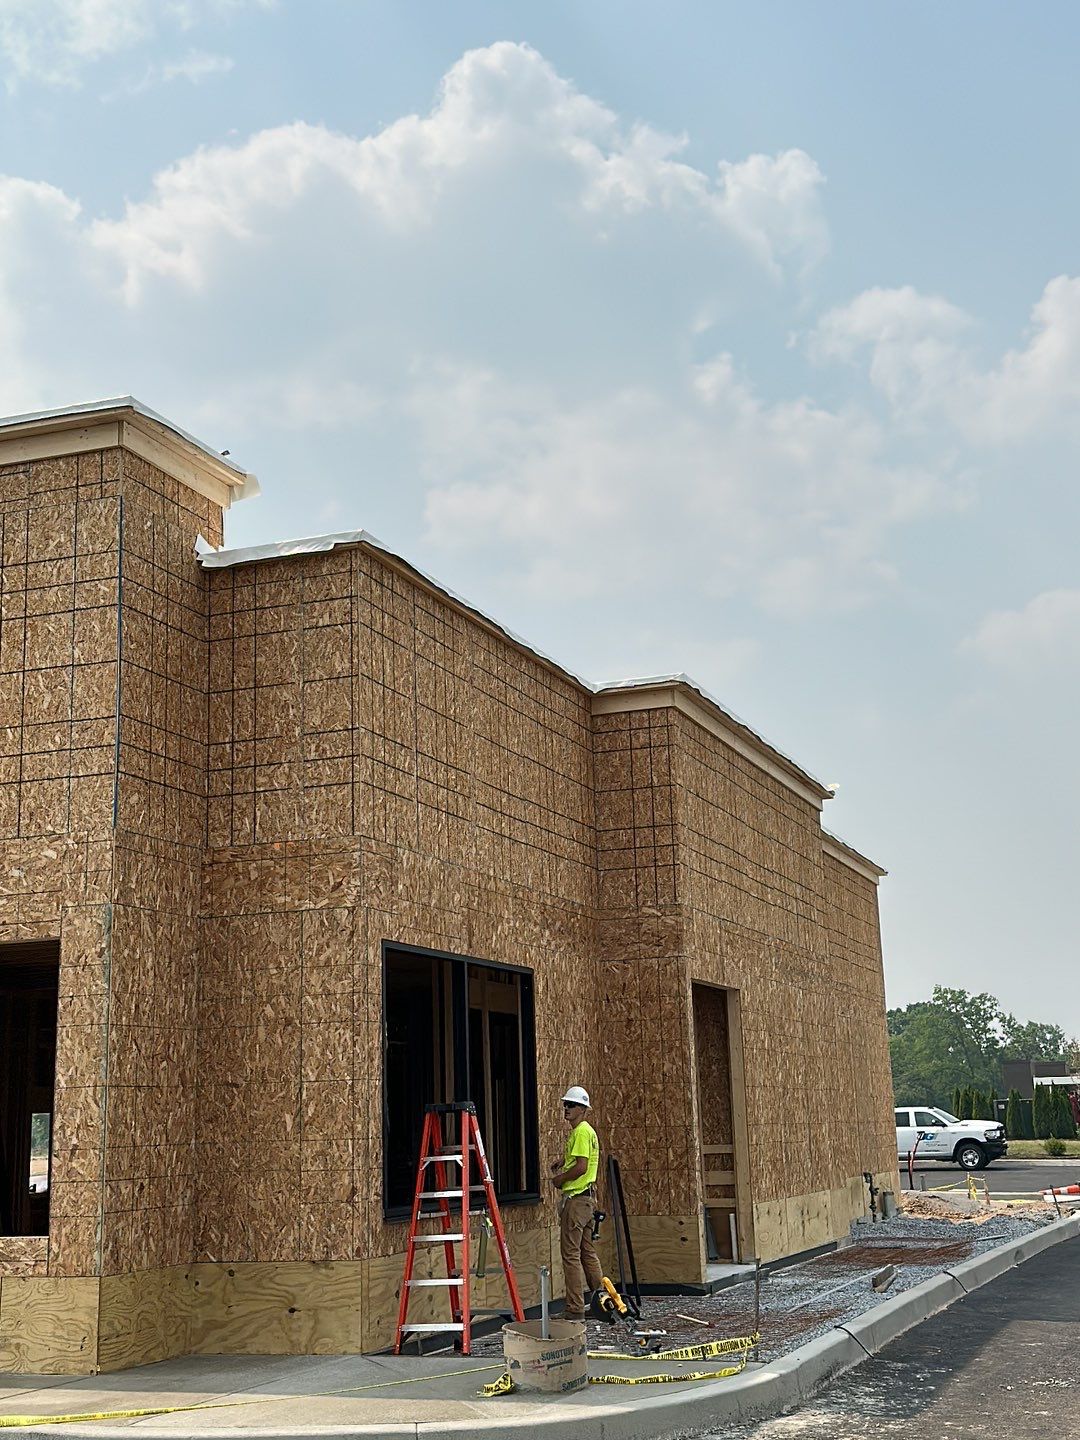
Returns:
(434, 1152)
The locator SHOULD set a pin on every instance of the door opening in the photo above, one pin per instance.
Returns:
(716, 1122)
(29, 986)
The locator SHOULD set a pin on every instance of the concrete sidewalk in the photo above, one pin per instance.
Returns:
(313, 1398)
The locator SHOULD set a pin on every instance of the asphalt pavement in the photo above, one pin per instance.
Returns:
(1004, 1177)
(1003, 1361)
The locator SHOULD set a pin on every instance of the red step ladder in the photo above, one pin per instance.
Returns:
(437, 1154)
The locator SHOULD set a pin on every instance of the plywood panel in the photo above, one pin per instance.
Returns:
(48, 1326)
(145, 1317)
(669, 1248)
(289, 1309)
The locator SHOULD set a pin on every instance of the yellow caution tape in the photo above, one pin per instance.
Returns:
(505, 1385)
(741, 1344)
(18, 1422)
(707, 1350)
(672, 1379)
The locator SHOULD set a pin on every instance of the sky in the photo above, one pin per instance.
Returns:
(736, 340)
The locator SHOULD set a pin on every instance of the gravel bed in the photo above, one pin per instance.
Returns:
(802, 1301)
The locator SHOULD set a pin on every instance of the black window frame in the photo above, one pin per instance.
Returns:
(459, 1018)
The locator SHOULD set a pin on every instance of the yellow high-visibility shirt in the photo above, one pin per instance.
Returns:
(581, 1142)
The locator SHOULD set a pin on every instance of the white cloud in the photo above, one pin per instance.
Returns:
(497, 302)
(502, 115)
(197, 66)
(54, 41)
(922, 360)
(37, 222)
(1043, 634)
(913, 341)
(787, 504)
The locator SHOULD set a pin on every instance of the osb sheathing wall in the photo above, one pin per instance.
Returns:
(82, 583)
(381, 767)
(315, 755)
(712, 870)
(794, 932)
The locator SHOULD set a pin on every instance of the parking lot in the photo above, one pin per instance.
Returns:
(1004, 1177)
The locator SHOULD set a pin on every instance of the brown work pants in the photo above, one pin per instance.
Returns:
(579, 1258)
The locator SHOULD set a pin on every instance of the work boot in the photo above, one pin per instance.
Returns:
(573, 1315)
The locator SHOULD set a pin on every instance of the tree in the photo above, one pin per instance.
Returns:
(1028, 1116)
(39, 1134)
(1042, 1111)
(956, 1041)
(1031, 1041)
(1063, 1124)
(1014, 1117)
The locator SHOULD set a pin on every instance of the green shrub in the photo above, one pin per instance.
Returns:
(1014, 1116)
(958, 1103)
(1063, 1126)
(1043, 1112)
(1054, 1147)
(1027, 1118)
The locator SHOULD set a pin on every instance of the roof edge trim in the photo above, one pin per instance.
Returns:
(628, 694)
(694, 701)
(852, 858)
(125, 421)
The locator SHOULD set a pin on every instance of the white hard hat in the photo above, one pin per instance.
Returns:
(576, 1096)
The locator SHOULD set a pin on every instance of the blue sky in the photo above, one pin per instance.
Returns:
(740, 340)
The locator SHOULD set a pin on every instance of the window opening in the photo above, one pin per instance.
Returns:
(29, 985)
(456, 1029)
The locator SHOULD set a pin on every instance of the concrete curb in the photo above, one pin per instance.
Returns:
(757, 1393)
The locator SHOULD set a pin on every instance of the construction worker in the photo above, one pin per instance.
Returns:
(575, 1178)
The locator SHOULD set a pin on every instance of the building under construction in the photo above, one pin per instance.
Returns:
(293, 842)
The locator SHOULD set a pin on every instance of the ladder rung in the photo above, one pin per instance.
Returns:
(434, 1239)
(455, 1325)
(446, 1194)
(442, 1157)
(451, 1281)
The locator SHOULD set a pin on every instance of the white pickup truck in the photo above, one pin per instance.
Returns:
(969, 1143)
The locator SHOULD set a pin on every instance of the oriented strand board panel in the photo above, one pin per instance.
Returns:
(224, 790)
(24, 1255)
(48, 1327)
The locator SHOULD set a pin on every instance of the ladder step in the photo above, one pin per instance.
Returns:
(457, 1205)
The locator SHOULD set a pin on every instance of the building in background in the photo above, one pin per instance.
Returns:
(1024, 1075)
(294, 841)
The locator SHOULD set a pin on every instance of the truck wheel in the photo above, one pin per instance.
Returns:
(970, 1156)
